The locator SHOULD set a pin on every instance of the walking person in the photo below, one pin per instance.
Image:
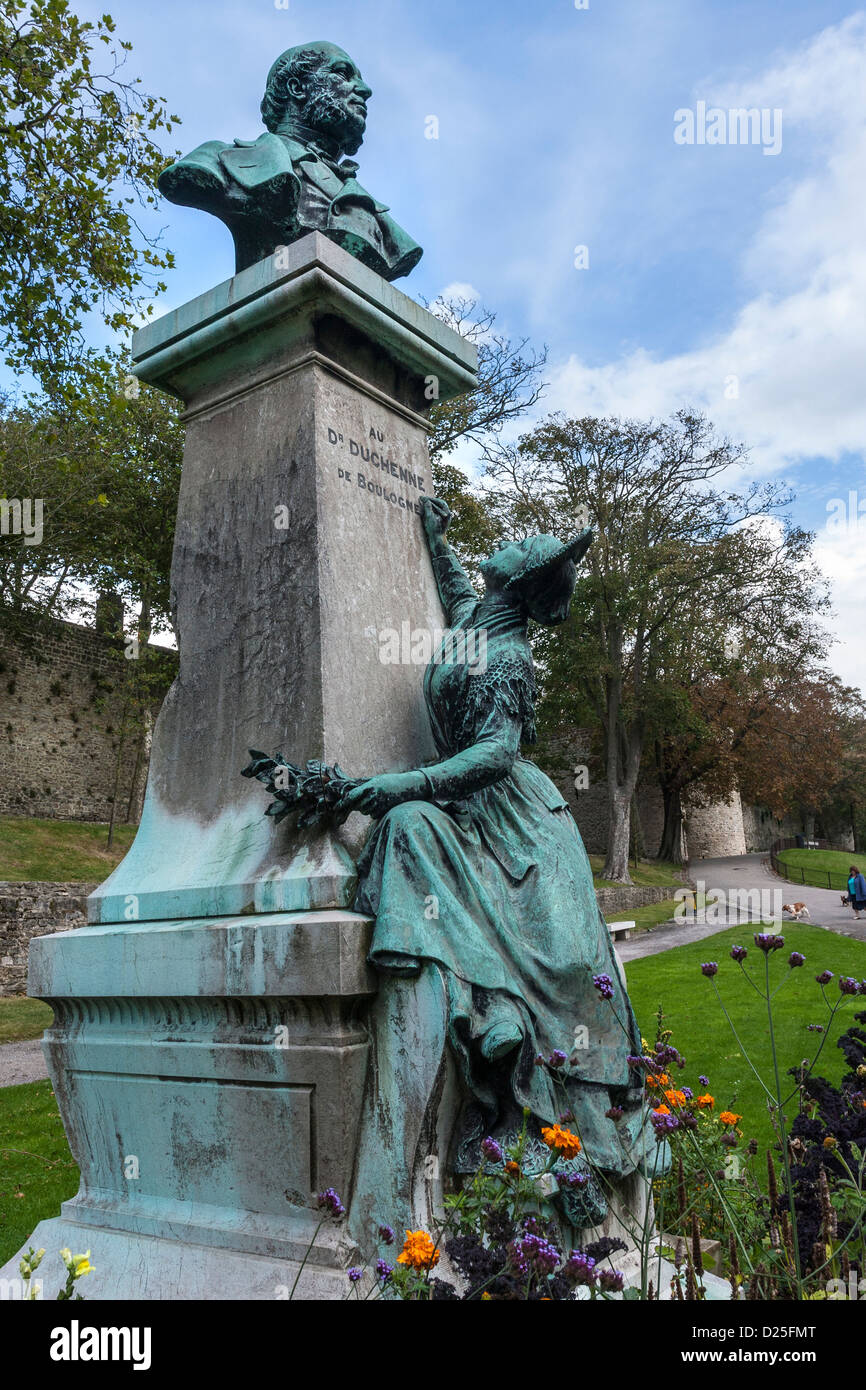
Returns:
(856, 890)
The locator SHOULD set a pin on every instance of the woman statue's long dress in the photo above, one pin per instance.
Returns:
(487, 931)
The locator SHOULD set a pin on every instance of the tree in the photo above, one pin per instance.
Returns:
(103, 463)
(671, 543)
(509, 386)
(727, 668)
(78, 152)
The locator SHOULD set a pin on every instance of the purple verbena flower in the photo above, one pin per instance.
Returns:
(384, 1270)
(824, 978)
(615, 1112)
(611, 1280)
(738, 953)
(688, 1092)
(491, 1150)
(768, 941)
(848, 984)
(814, 1027)
(386, 1235)
(579, 1268)
(709, 968)
(704, 1080)
(663, 1124)
(795, 959)
(355, 1275)
(557, 1058)
(572, 1179)
(604, 985)
(329, 1202)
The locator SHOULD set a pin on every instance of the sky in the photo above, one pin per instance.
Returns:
(716, 274)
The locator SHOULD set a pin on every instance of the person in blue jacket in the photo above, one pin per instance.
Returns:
(856, 890)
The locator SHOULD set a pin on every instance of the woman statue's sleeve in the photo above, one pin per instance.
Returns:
(455, 590)
(488, 760)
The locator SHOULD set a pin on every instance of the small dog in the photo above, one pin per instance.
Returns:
(795, 910)
(845, 900)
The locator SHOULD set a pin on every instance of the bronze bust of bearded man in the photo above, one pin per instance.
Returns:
(294, 178)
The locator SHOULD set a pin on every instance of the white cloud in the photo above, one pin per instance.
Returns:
(841, 553)
(786, 375)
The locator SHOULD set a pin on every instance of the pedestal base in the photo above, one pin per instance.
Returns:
(141, 1267)
(205, 1120)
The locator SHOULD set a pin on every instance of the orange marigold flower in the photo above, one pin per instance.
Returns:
(418, 1251)
(661, 1110)
(675, 1097)
(566, 1143)
(706, 1101)
(658, 1081)
(830, 1142)
(728, 1117)
(512, 1167)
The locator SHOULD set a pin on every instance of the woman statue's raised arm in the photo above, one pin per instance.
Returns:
(455, 590)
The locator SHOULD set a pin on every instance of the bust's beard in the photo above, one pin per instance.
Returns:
(340, 123)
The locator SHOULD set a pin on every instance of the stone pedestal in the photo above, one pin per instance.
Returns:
(211, 1044)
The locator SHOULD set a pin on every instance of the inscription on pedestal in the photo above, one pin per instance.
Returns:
(376, 455)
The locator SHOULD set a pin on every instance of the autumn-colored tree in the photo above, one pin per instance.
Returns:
(679, 563)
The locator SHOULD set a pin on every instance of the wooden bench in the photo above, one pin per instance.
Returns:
(620, 931)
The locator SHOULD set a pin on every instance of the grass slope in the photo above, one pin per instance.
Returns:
(37, 1171)
(59, 851)
(649, 872)
(822, 868)
(22, 1019)
(703, 1035)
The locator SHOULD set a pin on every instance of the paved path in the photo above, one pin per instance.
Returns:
(751, 890)
(21, 1062)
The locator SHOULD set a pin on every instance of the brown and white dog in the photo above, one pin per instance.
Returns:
(795, 910)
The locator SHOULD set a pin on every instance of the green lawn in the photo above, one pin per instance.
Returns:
(21, 1019)
(649, 872)
(648, 916)
(702, 1034)
(59, 851)
(37, 1171)
(822, 868)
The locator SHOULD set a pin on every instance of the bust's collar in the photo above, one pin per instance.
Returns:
(311, 140)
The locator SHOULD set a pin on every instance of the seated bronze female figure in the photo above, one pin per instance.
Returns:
(476, 875)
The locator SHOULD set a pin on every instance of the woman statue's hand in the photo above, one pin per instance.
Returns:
(436, 515)
(381, 794)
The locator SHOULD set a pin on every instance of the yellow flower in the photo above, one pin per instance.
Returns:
(706, 1101)
(566, 1143)
(728, 1117)
(82, 1265)
(418, 1251)
(66, 1256)
(485, 1297)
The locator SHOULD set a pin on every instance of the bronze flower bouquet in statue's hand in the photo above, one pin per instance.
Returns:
(316, 791)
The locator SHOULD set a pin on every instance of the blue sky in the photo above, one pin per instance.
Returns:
(706, 262)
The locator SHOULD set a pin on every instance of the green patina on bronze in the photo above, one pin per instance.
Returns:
(294, 178)
(476, 868)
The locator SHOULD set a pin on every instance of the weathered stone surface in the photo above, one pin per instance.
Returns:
(28, 910)
(211, 1051)
(61, 711)
(298, 543)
